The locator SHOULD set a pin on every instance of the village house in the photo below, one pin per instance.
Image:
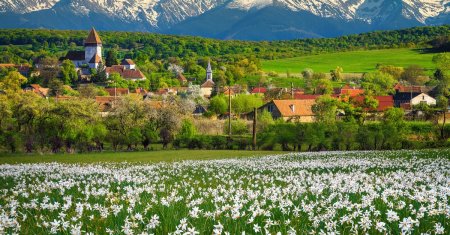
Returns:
(423, 98)
(36, 88)
(127, 70)
(289, 110)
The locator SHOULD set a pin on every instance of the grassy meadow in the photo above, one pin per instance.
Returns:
(352, 61)
(369, 192)
(131, 157)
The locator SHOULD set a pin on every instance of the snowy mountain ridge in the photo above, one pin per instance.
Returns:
(163, 15)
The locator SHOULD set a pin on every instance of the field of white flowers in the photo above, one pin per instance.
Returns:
(402, 192)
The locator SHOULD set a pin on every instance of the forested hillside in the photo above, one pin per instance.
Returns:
(158, 46)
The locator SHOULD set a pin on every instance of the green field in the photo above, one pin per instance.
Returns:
(351, 62)
(144, 157)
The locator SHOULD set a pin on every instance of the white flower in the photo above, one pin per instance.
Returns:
(256, 228)
(392, 216)
(438, 228)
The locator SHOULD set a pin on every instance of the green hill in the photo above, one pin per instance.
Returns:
(351, 62)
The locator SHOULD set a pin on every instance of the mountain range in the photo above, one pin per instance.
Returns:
(227, 19)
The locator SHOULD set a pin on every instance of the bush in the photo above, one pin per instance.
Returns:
(238, 127)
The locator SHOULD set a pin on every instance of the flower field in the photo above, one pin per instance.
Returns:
(401, 192)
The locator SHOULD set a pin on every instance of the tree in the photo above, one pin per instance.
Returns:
(68, 73)
(415, 75)
(245, 103)
(265, 119)
(336, 74)
(393, 128)
(396, 72)
(378, 83)
(56, 87)
(442, 61)
(187, 130)
(12, 82)
(111, 57)
(218, 105)
(441, 108)
(325, 109)
(323, 86)
(307, 74)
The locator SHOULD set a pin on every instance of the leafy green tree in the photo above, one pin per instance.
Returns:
(264, 120)
(336, 74)
(394, 71)
(378, 83)
(56, 87)
(323, 86)
(415, 75)
(115, 80)
(68, 73)
(442, 61)
(187, 130)
(111, 57)
(245, 103)
(12, 82)
(325, 109)
(218, 105)
(393, 128)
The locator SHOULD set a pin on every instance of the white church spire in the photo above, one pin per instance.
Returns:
(209, 73)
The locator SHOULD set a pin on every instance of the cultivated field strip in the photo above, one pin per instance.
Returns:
(400, 192)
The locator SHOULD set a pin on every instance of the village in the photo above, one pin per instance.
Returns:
(289, 104)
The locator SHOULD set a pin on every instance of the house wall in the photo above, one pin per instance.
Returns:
(304, 119)
(423, 98)
(206, 91)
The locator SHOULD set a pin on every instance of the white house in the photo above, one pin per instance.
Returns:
(423, 98)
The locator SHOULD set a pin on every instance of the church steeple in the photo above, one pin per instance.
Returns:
(93, 49)
(93, 39)
(209, 74)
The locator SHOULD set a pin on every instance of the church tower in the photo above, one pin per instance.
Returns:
(209, 74)
(93, 49)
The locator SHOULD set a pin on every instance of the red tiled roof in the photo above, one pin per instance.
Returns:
(208, 84)
(228, 91)
(140, 91)
(104, 102)
(305, 97)
(117, 91)
(182, 78)
(93, 38)
(132, 74)
(352, 92)
(289, 108)
(384, 102)
(418, 89)
(115, 69)
(257, 90)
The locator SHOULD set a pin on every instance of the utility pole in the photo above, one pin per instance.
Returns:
(255, 111)
(292, 90)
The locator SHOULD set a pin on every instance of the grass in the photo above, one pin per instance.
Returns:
(351, 62)
(144, 157)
